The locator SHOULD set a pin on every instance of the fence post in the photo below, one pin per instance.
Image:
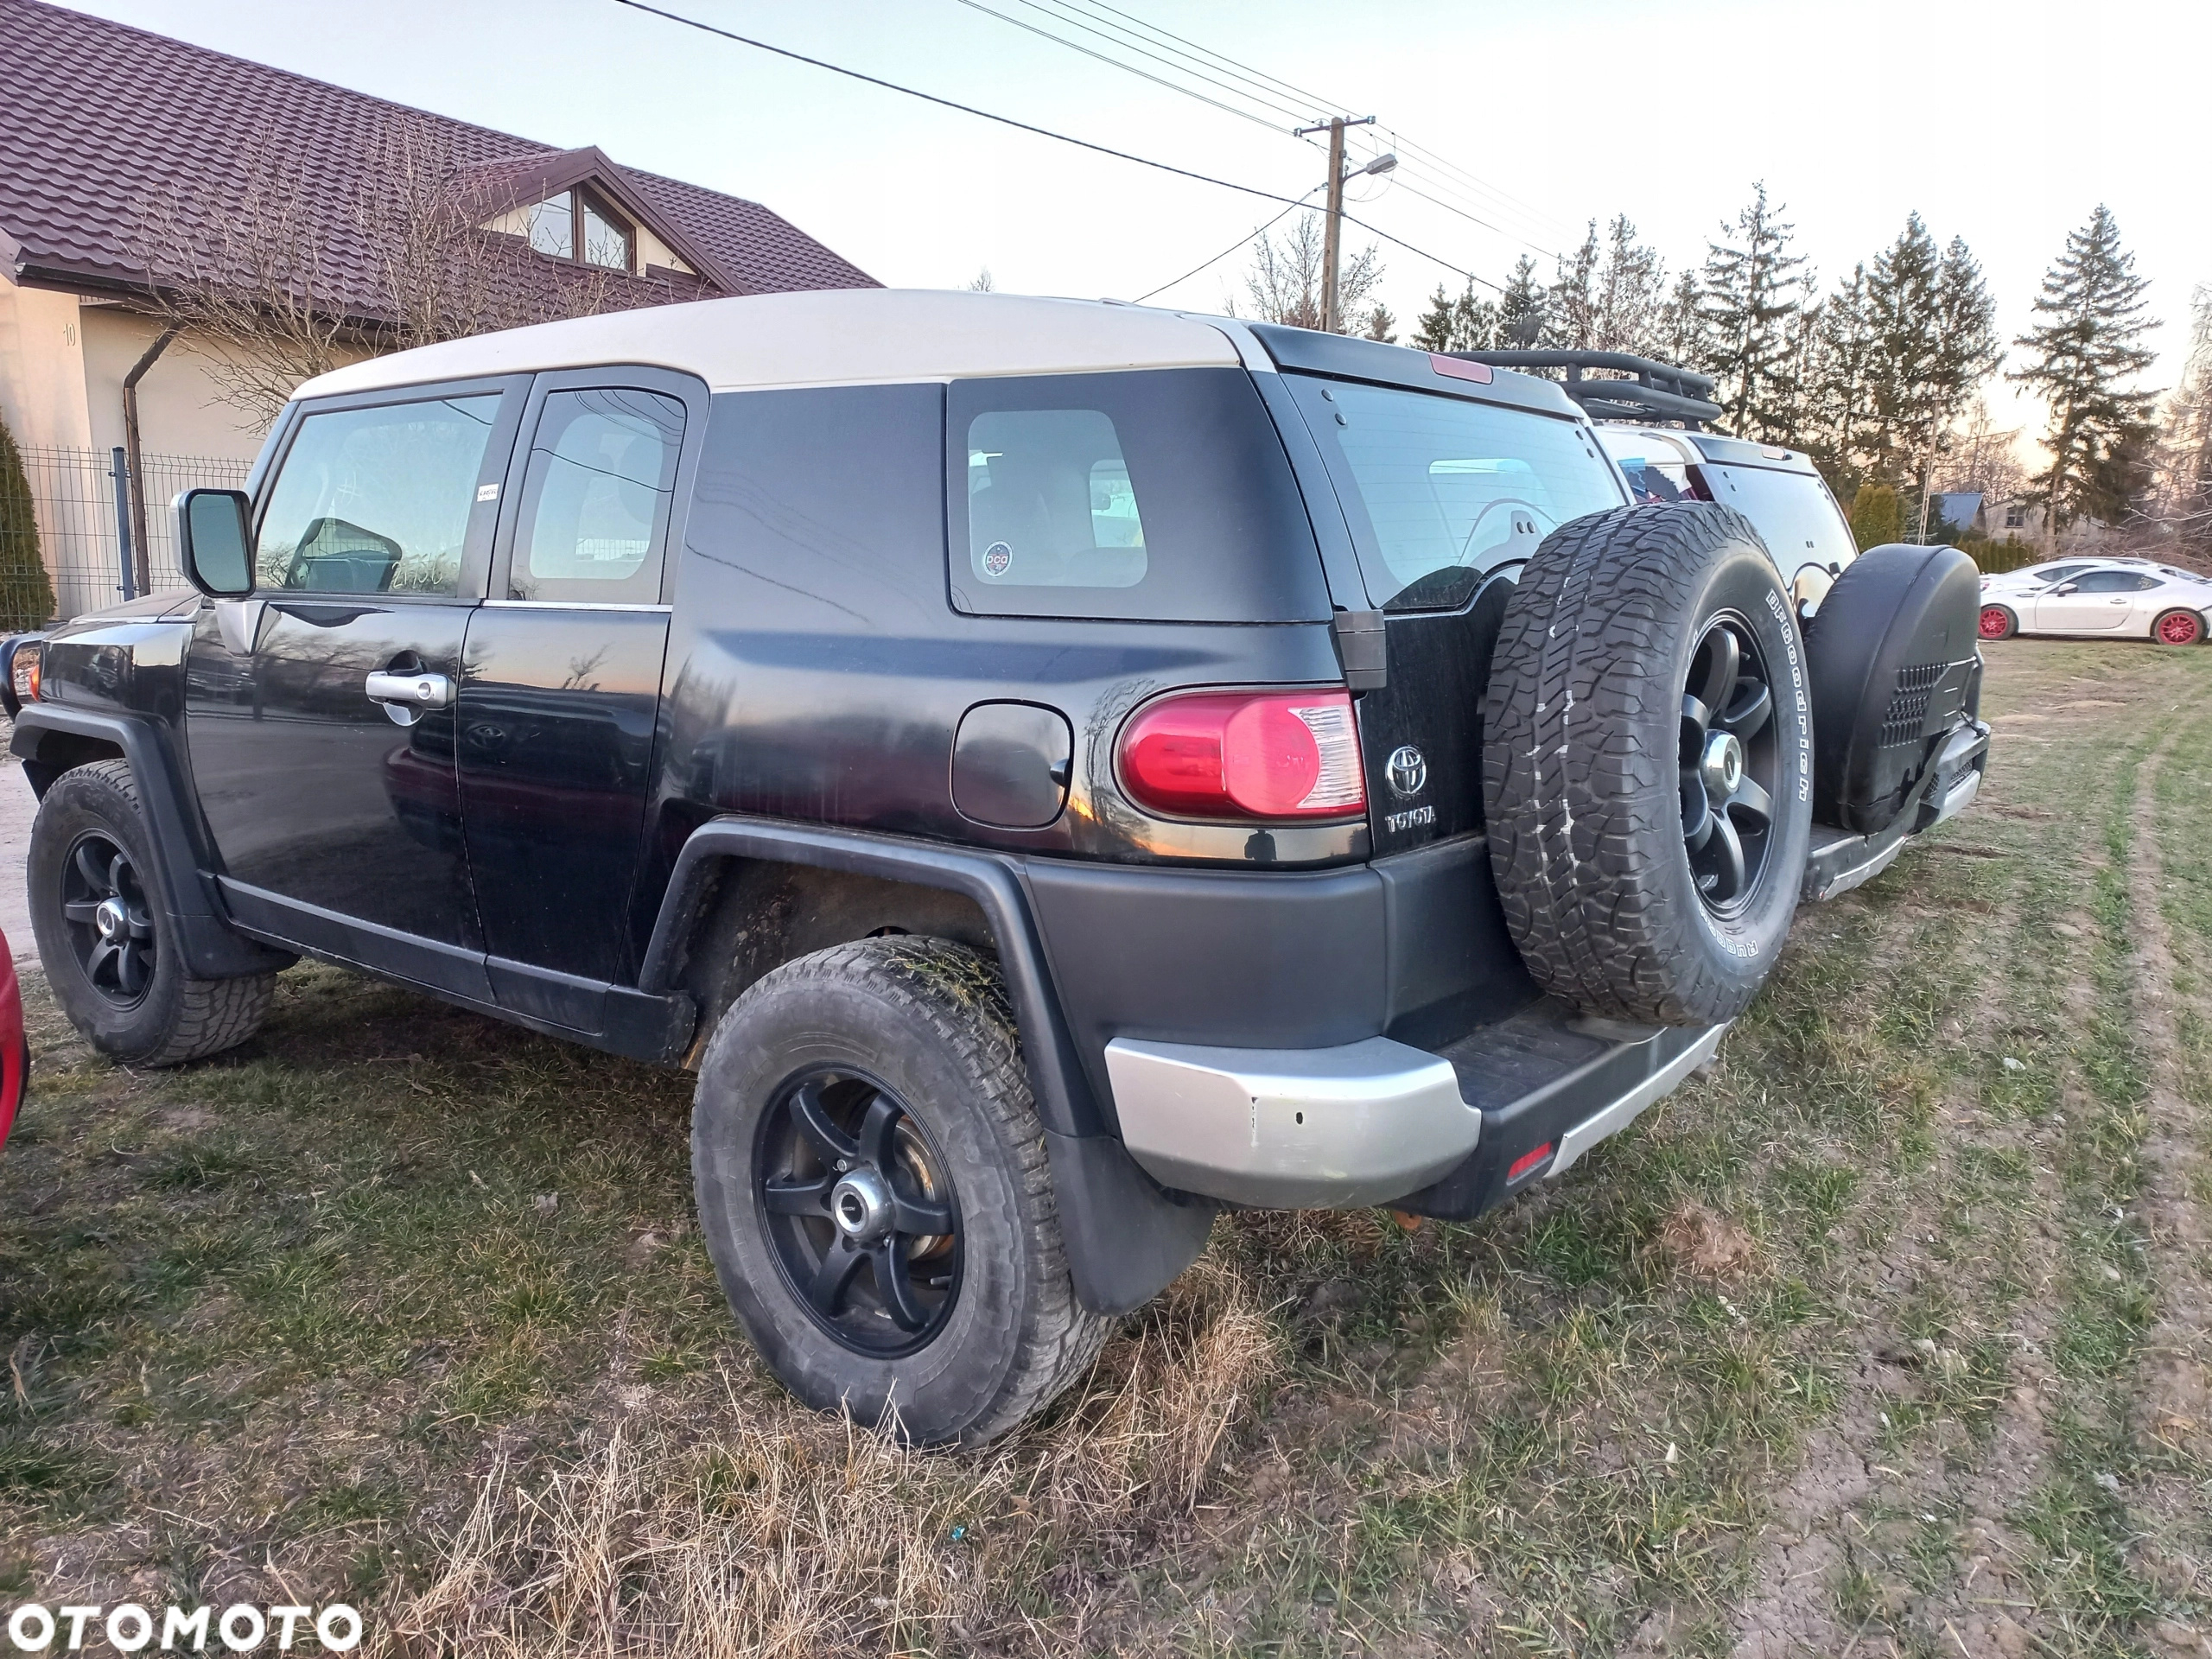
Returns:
(120, 472)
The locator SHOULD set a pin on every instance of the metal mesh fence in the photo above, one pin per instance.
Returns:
(74, 492)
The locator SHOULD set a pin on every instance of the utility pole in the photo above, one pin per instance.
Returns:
(1332, 237)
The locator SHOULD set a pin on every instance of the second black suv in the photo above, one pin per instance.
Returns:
(1054, 769)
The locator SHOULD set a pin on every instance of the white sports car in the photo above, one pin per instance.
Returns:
(2131, 598)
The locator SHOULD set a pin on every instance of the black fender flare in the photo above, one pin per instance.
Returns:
(1127, 1236)
(190, 904)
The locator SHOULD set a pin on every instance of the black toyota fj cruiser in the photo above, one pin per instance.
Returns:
(1054, 769)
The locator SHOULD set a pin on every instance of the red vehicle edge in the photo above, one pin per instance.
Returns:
(15, 1048)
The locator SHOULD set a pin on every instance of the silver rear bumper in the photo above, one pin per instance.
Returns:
(1290, 1127)
(1374, 1121)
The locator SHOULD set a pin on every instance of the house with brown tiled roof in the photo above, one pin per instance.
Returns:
(128, 162)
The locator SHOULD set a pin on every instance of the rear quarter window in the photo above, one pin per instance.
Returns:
(1449, 488)
(1793, 512)
(1154, 495)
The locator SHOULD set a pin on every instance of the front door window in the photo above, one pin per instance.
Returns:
(375, 500)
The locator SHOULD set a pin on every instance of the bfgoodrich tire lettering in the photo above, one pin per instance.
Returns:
(926, 1022)
(1610, 669)
(153, 1014)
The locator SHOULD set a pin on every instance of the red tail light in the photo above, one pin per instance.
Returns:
(1526, 1161)
(1246, 754)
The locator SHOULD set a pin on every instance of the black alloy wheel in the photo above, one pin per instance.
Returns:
(111, 922)
(1729, 763)
(856, 1198)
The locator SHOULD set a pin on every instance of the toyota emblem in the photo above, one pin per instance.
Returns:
(1408, 771)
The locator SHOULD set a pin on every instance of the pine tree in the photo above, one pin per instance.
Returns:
(1521, 307)
(1966, 352)
(1751, 290)
(1679, 331)
(2081, 352)
(1932, 340)
(1840, 381)
(1570, 307)
(2185, 460)
(1466, 324)
(1630, 293)
(1433, 331)
(1474, 322)
(26, 595)
(1901, 321)
(1381, 325)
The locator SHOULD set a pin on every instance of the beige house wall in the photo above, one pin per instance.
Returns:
(180, 411)
(62, 362)
(42, 367)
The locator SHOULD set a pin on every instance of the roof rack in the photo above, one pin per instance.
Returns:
(1654, 391)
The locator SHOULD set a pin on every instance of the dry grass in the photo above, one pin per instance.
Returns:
(775, 1531)
(1706, 1245)
(1863, 1339)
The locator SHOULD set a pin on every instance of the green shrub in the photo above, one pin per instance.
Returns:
(1994, 558)
(26, 595)
(1875, 515)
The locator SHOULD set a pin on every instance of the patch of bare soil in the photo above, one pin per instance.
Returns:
(1817, 1530)
(1856, 1495)
(2173, 1403)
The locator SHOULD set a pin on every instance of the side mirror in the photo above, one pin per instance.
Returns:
(2067, 588)
(213, 543)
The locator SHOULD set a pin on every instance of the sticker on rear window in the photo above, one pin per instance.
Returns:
(998, 559)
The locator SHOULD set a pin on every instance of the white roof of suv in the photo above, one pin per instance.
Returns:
(836, 337)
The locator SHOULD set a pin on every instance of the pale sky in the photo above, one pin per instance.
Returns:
(2005, 122)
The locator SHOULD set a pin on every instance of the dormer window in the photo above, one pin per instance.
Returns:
(574, 226)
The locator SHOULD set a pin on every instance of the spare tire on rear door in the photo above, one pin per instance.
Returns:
(1646, 768)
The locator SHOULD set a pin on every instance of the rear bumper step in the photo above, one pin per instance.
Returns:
(1447, 1134)
(1840, 861)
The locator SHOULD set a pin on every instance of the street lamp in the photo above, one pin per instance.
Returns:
(1333, 239)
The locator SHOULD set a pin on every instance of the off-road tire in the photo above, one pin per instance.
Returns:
(179, 1018)
(1992, 627)
(1581, 775)
(930, 1019)
(2159, 630)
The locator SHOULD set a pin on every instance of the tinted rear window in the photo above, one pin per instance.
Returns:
(1793, 512)
(1452, 489)
(1155, 495)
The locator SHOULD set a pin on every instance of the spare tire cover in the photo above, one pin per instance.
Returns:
(1895, 666)
(1647, 764)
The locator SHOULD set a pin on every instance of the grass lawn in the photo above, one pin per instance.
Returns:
(1891, 1334)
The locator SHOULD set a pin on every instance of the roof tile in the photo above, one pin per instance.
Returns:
(99, 120)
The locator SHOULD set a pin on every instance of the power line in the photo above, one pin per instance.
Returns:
(1255, 232)
(1157, 80)
(1254, 76)
(1134, 32)
(1062, 14)
(1245, 72)
(946, 102)
(1042, 132)
(1065, 12)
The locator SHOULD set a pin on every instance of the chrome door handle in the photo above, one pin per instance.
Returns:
(413, 690)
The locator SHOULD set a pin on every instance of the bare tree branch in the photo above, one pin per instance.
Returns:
(259, 289)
